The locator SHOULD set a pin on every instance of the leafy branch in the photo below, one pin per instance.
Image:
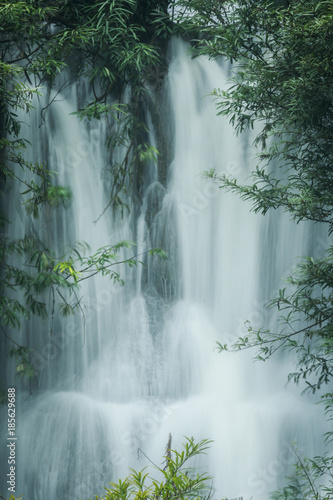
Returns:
(179, 480)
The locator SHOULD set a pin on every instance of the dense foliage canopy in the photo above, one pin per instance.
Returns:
(283, 87)
(178, 479)
(111, 44)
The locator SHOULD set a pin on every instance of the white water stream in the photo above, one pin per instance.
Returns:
(143, 362)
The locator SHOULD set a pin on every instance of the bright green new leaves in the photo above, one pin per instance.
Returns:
(39, 278)
(115, 46)
(46, 273)
(22, 358)
(178, 480)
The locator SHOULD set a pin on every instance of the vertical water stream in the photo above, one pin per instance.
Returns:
(142, 362)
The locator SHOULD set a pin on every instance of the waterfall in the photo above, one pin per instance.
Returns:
(142, 361)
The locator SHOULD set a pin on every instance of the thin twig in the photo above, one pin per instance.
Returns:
(9, 338)
(143, 453)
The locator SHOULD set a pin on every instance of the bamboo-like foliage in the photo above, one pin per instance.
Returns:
(281, 87)
(113, 45)
(179, 480)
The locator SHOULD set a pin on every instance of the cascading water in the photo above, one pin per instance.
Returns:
(142, 362)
